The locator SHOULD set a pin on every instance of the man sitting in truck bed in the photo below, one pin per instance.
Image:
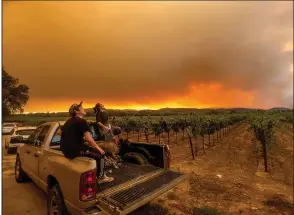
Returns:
(74, 133)
(109, 132)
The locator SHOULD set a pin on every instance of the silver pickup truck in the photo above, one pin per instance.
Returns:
(71, 186)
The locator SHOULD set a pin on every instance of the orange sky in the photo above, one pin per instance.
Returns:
(200, 96)
(150, 54)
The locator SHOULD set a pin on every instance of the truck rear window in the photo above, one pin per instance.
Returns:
(24, 132)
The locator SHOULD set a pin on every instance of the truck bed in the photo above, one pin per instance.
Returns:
(126, 172)
(135, 185)
(128, 197)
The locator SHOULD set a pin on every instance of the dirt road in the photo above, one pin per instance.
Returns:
(19, 199)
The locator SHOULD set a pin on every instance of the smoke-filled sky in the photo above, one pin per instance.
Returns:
(151, 54)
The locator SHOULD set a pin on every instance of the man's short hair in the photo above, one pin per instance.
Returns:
(74, 108)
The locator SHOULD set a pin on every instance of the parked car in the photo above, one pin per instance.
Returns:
(19, 135)
(71, 185)
(8, 128)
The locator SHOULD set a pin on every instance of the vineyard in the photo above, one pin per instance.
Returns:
(209, 128)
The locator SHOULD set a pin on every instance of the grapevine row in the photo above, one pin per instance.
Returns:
(198, 125)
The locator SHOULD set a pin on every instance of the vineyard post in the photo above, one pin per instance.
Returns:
(213, 139)
(264, 155)
(183, 134)
(196, 149)
(175, 128)
(220, 132)
(146, 135)
(192, 151)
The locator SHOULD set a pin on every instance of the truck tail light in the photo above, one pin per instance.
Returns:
(88, 186)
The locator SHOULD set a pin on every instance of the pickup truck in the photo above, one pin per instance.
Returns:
(71, 185)
(20, 133)
(8, 128)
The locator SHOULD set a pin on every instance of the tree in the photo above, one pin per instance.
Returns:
(14, 95)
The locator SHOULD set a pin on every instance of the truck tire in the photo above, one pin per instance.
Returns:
(20, 175)
(136, 158)
(55, 201)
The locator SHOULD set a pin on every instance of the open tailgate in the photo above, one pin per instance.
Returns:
(126, 200)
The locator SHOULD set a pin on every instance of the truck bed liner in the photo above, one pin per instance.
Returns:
(126, 172)
(126, 198)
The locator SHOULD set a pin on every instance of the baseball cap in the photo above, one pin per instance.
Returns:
(74, 107)
(98, 105)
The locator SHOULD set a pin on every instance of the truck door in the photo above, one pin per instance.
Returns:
(39, 158)
(37, 152)
(28, 153)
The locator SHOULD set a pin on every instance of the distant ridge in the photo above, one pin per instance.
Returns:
(168, 110)
(280, 108)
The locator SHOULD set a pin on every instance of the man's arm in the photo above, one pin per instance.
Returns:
(100, 124)
(92, 142)
(85, 129)
(103, 126)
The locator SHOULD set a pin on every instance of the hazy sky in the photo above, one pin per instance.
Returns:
(151, 54)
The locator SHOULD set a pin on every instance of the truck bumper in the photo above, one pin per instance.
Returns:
(73, 210)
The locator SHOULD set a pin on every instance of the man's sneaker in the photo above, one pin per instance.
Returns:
(104, 179)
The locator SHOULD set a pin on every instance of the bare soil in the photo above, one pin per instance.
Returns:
(229, 178)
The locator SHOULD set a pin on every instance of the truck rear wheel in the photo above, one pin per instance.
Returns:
(136, 158)
(55, 202)
(20, 175)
